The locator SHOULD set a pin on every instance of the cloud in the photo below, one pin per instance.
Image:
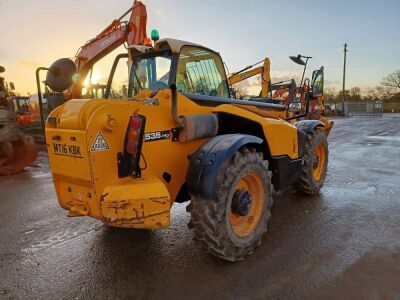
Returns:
(159, 13)
(333, 82)
(250, 86)
(28, 64)
(3, 54)
(285, 75)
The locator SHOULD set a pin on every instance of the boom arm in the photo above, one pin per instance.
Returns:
(264, 70)
(114, 35)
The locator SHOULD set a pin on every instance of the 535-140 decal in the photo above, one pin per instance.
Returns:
(157, 135)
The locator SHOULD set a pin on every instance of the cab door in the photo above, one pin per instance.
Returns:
(317, 85)
(317, 91)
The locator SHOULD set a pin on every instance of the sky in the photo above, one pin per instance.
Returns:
(36, 33)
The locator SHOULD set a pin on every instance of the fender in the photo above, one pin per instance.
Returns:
(308, 126)
(304, 127)
(203, 174)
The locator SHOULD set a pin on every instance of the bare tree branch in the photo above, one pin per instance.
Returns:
(393, 81)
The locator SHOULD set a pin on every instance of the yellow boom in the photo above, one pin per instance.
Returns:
(249, 71)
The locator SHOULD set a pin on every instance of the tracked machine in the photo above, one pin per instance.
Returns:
(17, 150)
(178, 136)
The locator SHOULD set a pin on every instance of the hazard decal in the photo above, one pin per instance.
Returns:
(100, 143)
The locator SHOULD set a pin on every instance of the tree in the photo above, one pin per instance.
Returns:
(355, 93)
(329, 95)
(392, 81)
(339, 96)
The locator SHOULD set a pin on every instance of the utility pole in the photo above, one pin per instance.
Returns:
(344, 78)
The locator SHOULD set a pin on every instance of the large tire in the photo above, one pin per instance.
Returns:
(315, 164)
(231, 226)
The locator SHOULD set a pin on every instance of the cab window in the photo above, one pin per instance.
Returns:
(318, 82)
(201, 72)
(150, 73)
(119, 84)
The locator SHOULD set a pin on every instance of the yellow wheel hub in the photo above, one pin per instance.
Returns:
(247, 204)
(319, 161)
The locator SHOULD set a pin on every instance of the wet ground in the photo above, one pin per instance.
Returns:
(342, 244)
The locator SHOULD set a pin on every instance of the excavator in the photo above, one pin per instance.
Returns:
(17, 150)
(251, 71)
(117, 33)
(295, 98)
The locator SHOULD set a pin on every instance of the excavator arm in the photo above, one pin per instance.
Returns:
(251, 71)
(61, 75)
(114, 35)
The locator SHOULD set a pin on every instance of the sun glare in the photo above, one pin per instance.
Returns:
(92, 78)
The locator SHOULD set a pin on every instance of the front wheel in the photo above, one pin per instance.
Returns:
(231, 226)
(315, 164)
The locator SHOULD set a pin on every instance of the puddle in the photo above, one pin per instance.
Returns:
(385, 138)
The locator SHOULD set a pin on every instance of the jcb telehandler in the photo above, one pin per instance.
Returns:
(178, 136)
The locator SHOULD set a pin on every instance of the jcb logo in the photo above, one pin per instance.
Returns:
(68, 150)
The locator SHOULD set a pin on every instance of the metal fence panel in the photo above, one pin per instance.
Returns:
(364, 108)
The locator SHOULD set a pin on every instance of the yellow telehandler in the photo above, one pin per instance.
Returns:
(172, 133)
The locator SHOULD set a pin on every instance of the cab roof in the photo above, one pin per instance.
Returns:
(167, 44)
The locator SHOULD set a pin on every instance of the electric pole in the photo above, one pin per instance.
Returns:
(344, 78)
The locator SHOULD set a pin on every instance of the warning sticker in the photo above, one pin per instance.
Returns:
(100, 143)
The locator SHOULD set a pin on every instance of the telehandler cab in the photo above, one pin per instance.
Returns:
(175, 135)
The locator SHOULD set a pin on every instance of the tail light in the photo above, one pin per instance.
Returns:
(129, 160)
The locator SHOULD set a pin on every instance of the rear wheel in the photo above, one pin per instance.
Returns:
(315, 164)
(231, 226)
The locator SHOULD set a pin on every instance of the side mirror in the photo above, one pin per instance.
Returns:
(61, 74)
(2, 69)
(12, 86)
(295, 107)
(298, 60)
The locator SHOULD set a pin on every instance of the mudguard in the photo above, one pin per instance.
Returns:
(203, 174)
(308, 126)
(304, 127)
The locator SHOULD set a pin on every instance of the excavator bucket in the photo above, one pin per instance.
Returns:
(16, 155)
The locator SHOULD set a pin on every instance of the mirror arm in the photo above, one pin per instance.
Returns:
(292, 92)
(304, 71)
(307, 109)
(40, 95)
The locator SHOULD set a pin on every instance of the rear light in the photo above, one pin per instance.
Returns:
(135, 122)
(129, 160)
(131, 147)
(133, 135)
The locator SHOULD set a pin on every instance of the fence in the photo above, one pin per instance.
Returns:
(391, 107)
(364, 108)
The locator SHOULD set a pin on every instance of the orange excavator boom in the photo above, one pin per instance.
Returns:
(114, 35)
(133, 32)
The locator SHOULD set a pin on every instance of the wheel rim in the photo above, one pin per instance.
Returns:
(250, 184)
(319, 162)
